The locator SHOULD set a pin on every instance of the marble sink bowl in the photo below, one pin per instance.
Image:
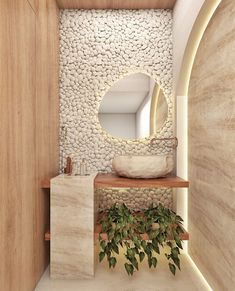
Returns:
(143, 167)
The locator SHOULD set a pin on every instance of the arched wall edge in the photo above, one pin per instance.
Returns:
(181, 103)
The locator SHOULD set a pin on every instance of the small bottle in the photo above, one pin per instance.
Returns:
(68, 168)
(83, 167)
(74, 168)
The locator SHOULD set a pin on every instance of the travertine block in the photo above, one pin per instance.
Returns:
(74, 206)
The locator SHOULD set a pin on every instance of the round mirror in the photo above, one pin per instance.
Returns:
(134, 107)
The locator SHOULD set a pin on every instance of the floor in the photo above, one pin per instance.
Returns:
(145, 279)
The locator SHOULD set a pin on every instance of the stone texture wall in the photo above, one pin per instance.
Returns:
(135, 198)
(97, 48)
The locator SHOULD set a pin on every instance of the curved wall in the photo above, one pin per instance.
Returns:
(185, 14)
(211, 130)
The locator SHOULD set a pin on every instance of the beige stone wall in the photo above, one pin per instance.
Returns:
(212, 151)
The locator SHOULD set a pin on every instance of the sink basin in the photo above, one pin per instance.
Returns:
(144, 167)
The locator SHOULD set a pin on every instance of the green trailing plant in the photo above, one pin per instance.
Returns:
(128, 229)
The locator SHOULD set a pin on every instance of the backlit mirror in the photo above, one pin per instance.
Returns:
(134, 107)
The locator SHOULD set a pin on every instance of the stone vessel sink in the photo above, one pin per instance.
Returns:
(143, 167)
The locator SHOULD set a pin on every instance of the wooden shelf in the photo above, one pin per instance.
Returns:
(114, 181)
(45, 184)
(183, 236)
(111, 180)
(47, 235)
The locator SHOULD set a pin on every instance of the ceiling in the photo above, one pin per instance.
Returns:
(116, 4)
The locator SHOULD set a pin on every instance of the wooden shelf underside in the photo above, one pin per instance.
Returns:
(114, 181)
(183, 236)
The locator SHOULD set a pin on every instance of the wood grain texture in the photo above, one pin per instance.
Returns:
(144, 236)
(212, 151)
(47, 118)
(183, 236)
(33, 4)
(116, 4)
(17, 145)
(22, 209)
(111, 180)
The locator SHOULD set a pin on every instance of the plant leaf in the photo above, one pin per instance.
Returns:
(155, 246)
(154, 262)
(110, 233)
(179, 229)
(172, 268)
(135, 263)
(104, 226)
(113, 261)
(175, 252)
(115, 248)
(143, 244)
(150, 262)
(109, 246)
(130, 253)
(101, 256)
(103, 244)
(125, 234)
(160, 238)
(117, 238)
(169, 244)
(141, 255)
(176, 261)
(179, 218)
(129, 269)
(179, 244)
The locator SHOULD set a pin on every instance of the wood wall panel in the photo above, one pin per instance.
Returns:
(116, 4)
(17, 145)
(212, 151)
(28, 97)
(47, 117)
(33, 4)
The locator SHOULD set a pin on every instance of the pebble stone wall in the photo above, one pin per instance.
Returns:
(135, 198)
(98, 48)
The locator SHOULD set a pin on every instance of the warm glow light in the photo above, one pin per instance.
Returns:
(182, 158)
(199, 274)
(196, 35)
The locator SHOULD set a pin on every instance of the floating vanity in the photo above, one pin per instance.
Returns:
(74, 209)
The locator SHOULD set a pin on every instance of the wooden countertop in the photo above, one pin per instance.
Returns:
(111, 180)
(114, 181)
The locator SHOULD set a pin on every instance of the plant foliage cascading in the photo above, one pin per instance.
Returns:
(125, 229)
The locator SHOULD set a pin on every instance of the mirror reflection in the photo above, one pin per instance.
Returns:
(133, 108)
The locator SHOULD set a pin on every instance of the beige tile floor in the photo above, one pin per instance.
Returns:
(159, 279)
